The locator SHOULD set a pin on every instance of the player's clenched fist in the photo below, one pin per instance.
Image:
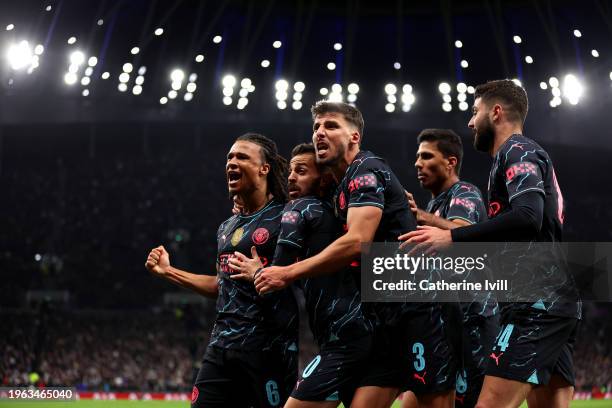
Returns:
(158, 261)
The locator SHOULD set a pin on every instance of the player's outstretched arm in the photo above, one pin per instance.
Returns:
(158, 263)
(362, 223)
(425, 218)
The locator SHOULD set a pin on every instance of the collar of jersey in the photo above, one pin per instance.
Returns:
(265, 207)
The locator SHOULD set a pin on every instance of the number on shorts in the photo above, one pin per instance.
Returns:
(311, 367)
(272, 391)
(419, 362)
(504, 337)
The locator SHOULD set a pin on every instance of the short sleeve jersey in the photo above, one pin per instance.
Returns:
(521, 166)
(246, 320)
(333, 300)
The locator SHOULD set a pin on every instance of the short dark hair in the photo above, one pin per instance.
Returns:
(277, 177)
(351, 114)
(448, 143)
(303, 148)
(511, 95)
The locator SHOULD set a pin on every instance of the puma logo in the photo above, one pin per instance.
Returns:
(420, 378)
(460, 398)
(496, 358)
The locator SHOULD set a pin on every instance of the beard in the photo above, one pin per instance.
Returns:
(331, 161)
(484, 137)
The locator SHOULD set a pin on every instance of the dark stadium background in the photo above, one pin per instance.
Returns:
(88, 184)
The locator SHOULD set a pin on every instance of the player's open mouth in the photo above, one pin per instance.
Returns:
(322, 149)
(233, 177)
(421, 176)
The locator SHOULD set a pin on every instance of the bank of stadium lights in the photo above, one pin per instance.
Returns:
(77, 58)
(158, 31)
(556, 92)
(217, 39)
(407, 98)
(572, 89)
(529, 59)
(335, 94)
(265, 63)
(277, 44)
(229, 82)
(331, 66)
(337, 46)
(22, 56)
(595, 53)
(199, 58)
(282, 88)
(445, 90)
(139, 81)
(353, 90)
(461, 96)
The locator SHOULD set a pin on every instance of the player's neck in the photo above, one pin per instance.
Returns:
(255, 202)
(339, 169)
(445, 186)
(503, 132)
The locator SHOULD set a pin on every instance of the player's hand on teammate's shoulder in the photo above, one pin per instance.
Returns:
(271, 279)
(158, 261)
(244, 267)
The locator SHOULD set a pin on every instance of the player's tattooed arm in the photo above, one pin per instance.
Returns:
(158, 263)
(362, 223)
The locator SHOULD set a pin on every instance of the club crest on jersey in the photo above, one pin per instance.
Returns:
(494, 208)
(194, 394)
(260, 236)
(342, 200)
(237, 236)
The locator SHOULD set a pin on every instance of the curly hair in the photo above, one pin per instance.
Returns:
(505, 91)
(277, 177)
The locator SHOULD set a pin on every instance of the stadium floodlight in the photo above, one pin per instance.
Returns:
(281, 85)
(135, 50)
(397, 65)
(407, 88)
(446, 107)
(100, 22)
(447, 98)
(227, 100)
(39, 49)
(122, 87)
(595, 53)
(391, 98)
(217, 39)
(351, 98)
(245, 83)
(10, 27)
(336, 88)
(177, 85)
(517, 39)
(85, 92)
(227, 91)
(610, 75)
(177, 75)
(353, 88)
(172, 94)
(577, 33)
(158, 31)
(20, 55)
(410, 100)
(163, 100)
(127, 67)
(191, 87)
(71, 40)
(92, 61)
(471, 90)
(142, 70)
(458, 44)
(243, 93)
(77, 58)
(199, 58)
(70, 78)
(461, 97)
(277, 44)
(464, 64)
(124, 77)
(556, 92)
(337, 46)
(543, 85)
(390, 89)
(105, 75)
(461, 87)
(296, 105)
(281, 105)
(281, 95)
(444, 88)
(48, 8)
(297, 96)
(85, 80)
(137, 90)
(323, 91)
(463, 106)
(265, 63)
(73, 68)
(299, 86)
(390, 107)
(188, 97)
(553, 81)
(335, 97)
(406, 108)
(331, 66)
(572, 89)
(139, 80)
(252, 88)
(529, 59)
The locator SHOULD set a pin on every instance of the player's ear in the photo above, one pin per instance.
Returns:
(496, 112)
(452, 162)
(355, 137)
(264, 169)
